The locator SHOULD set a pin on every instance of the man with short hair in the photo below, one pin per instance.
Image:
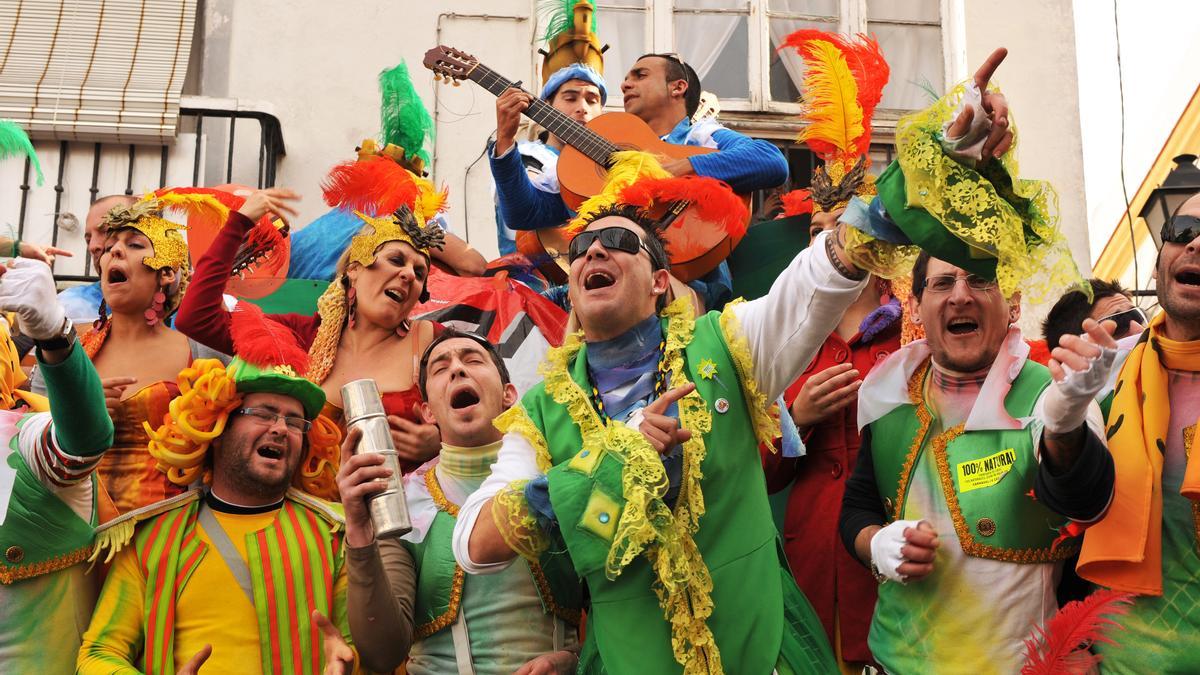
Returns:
(1110, 301)
(83, 302)
(230, 576)
(509, 622)
(1146, 543)
(973, 460)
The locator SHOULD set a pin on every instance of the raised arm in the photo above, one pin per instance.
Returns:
(522, 205)
(747, 164)
(786, 327)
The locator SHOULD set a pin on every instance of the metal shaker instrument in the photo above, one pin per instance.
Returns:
(364, 410)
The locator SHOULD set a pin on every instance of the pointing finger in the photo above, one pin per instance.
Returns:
(985, 72)
(660, 405)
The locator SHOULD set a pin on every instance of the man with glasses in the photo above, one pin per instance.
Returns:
(231, 576)
(638, 456)
(1146, 543)
(975, 463)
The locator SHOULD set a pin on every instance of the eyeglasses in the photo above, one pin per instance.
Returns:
(612, 238)
(297, 425)
(944, 283)
(1124, 319)
(1180, 230)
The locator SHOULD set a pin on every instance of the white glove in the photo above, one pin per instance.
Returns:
(968, 148)
(885, 549)
(1065, 406)
(27, 288)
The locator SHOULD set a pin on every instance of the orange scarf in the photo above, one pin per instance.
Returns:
(1124, 550)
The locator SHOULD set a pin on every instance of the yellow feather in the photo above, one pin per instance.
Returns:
(202, 206)
(628, 167)
(832, 111)
(430, 200)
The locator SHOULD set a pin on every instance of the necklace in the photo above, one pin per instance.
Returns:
(660, 380)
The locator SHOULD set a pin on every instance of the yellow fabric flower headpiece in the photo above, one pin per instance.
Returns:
(146, 216)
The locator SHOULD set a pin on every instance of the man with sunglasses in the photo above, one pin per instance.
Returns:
(649, 422)
(235, 576)
(976, 464)
(1146, 543)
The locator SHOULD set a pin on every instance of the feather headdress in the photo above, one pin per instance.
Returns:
(404, 122)
(843, 84)
(378, 185)
(15, 142)
(1062, 646)
(147, 216)
(628, 167)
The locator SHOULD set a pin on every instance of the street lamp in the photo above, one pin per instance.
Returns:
(1181, 183)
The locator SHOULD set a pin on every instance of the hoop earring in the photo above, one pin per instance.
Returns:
(403, 329)
(154, 313)
(101, 317)
(351, 305)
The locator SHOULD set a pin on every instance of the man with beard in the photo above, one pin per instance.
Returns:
(973, 460)
(1146, 543)
(514, 621)
(230, 575)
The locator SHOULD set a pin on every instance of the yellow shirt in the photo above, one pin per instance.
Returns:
(212, 610)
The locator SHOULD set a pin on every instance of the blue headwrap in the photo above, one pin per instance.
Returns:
(575, 71)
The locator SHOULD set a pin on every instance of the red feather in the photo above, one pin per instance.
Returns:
(712, 199)
(374, 185)
(1061, 647)
(865, 59)
(797, 202)
(264, 342)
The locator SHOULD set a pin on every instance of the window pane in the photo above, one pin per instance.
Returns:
(904, 10)
(717, 46)
(605, 4)
(786, 67)
(915, 56)
(811, 7)
(624, 31)
(711, 4)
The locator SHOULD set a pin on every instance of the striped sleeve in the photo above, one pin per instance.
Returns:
(44, 455)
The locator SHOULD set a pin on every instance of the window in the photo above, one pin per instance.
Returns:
(733, 44)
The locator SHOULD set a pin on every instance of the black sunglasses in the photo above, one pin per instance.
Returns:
(612, 238)
(1124, 319)
(1180, 230)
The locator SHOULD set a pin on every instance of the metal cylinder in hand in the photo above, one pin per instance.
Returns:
(364, 410)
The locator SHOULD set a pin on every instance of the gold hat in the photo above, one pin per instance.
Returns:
(146, 216)
(400, 226)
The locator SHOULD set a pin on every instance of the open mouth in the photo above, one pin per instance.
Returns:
(1188, 277)
(463, 398)
(598, 279)
(269, 452)
(395, 296)
(116, 276)
(962, 326)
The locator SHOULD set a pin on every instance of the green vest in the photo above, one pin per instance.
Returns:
(736, 539)
(440, 581)
(987, 476)
(40, 534)
(293, 565)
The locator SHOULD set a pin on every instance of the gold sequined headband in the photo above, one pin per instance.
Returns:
(146, 216)
(400, 226)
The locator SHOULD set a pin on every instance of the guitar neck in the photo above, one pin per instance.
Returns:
(596, 147)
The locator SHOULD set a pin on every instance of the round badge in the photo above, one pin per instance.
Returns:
(722, 406)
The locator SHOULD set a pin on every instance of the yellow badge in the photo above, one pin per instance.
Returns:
(707, 369)
(985, 471)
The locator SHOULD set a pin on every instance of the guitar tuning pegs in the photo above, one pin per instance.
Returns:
(437, 77)
(457, 83)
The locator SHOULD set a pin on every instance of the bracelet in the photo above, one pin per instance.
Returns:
(16, 248)
(831, 250)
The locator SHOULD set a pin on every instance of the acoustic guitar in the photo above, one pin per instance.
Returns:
(696, 246)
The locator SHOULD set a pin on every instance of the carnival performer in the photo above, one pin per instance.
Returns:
(361, 328)
(199, 579)
(144, 270)
(822, 400)
(82, 302)
(48, 489)
(406, 131)
(522, 618)
(1146, 543)
(669, 589)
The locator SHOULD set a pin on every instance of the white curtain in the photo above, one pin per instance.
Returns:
(700, 38)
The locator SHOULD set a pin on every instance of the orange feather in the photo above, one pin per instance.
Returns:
(711, 199)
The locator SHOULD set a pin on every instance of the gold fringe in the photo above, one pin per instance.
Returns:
(113, 540)
(571, 616)
(331, 307)
(439, 497)
(764, 415)
(446, 618)
(11, 574)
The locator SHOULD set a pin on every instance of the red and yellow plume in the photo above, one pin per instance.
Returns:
(713, 200)
(378, 186)
(843, 84)
(264, 342)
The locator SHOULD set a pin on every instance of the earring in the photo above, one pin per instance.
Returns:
(101, 316)
(351, 305)
(403, 329)
(154, 313)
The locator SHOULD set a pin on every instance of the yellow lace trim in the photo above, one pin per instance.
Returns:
(764, 415)
(683, 584)
(517, 525)
(11, 574)
(881, 258)
(516, 420)
(445, 618)
(1018, 227)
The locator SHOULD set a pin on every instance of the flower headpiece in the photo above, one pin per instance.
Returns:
(146, 216)
(268, 360)
(843, 83)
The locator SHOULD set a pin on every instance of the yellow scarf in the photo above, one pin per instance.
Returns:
(1124, 550)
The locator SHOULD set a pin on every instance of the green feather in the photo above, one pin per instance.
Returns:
(14, 141)
(559, 16)
(402, 113)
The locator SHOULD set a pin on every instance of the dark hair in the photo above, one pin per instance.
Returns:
(453, 334)
(656, 246)
(1067, 315)
(920, 269)
(676, 69)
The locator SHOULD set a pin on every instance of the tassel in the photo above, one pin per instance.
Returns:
(1062, 646)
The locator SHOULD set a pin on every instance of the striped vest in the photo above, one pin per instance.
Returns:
(293, 564)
